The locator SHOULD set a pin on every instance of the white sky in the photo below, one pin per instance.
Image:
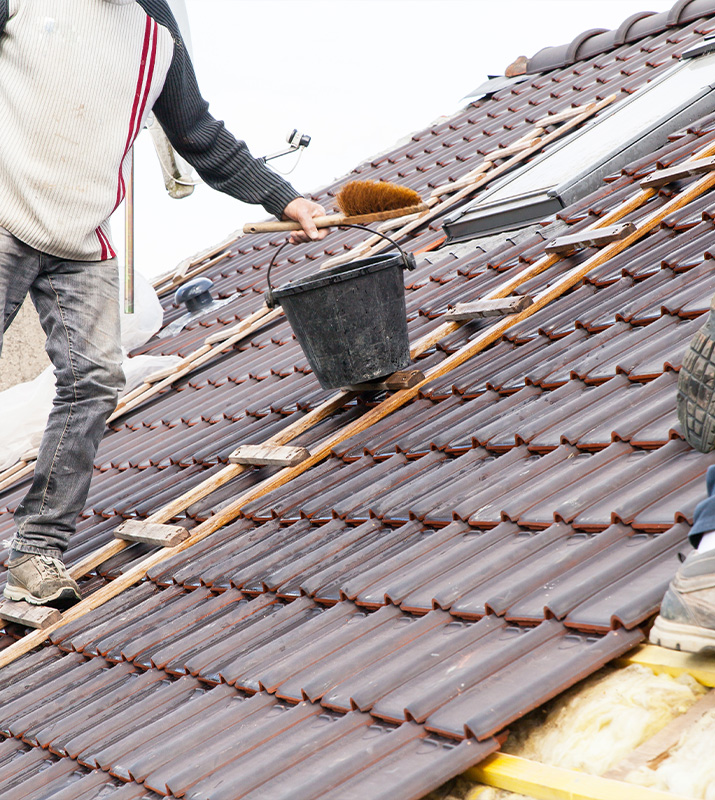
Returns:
(356, 75)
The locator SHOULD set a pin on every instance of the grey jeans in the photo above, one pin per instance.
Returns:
(78, 305)
(704, 514)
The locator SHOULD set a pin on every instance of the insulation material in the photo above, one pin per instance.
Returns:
(595, 725)
(689, 769)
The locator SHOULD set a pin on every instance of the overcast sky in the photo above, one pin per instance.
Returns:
(356, 75)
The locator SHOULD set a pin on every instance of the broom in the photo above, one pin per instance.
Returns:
(360, 202)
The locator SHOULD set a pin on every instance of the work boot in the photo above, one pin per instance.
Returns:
(687, 613)
(696, 387)
(41, 580)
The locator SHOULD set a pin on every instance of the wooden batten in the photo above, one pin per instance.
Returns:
(151, 533)
(544, 782)
(500, 307)
(565, 245)
(266, 455)
(557, 119)
(30, 616)
(701, 667)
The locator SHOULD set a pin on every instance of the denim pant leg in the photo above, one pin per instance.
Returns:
(19, 266)
(78, 305)
(704, 516)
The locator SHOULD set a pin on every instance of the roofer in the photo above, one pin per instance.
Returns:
(77, 81)
(687, 614)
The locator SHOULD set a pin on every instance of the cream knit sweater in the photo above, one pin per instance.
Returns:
(77, 81)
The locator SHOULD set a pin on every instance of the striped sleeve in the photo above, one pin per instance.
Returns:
(223, 161)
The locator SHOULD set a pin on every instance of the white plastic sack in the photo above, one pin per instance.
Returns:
(139, 327)
(23, 415)
(138, 368)
(24, 408)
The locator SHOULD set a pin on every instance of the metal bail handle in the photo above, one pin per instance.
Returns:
(408, 259)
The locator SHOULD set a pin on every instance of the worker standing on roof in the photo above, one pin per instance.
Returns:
(77, 81)
(687, 613)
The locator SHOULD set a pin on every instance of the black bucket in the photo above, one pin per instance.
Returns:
(350, 320)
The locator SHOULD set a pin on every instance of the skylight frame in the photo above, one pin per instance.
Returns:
(528, 194)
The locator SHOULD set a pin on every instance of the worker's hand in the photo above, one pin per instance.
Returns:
(302, 211)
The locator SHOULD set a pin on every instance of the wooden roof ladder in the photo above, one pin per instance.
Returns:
(490, 335)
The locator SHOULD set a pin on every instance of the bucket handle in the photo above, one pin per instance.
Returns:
(408, 260)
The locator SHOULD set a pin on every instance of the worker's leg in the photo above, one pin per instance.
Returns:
(687, 613)
(79, 311)
(37, 578)
(704, 515)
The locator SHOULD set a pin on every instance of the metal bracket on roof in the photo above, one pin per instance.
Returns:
(493, 84)
(707, 45)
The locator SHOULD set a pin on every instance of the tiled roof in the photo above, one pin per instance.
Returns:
(501, 536)
(599, 40)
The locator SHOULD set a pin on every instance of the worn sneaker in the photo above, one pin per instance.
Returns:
(687, 613)
(41, 580)
(696, 387)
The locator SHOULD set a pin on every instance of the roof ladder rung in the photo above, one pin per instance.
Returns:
(151, 533)
(499, 307)
(30, 616)
(268, 455)
(661, 177)
(402, 379)
(594, 237)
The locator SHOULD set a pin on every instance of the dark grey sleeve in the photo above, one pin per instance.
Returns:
(4, 13)
(223, 161)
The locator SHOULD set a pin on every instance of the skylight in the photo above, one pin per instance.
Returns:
(632, 127)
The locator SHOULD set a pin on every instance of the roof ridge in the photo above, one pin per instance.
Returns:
(599, 40)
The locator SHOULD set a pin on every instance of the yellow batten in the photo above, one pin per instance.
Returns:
(673, 662)
(543, 782)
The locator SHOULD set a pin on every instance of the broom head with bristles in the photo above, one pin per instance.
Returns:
(370, 197)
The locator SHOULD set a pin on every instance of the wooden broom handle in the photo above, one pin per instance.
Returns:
(276, 226)
(331, 220)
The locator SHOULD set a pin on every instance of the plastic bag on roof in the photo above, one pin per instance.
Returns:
(24, 408)
(148, 316)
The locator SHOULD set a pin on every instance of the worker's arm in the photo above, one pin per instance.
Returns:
(223, 161)
(4, 13)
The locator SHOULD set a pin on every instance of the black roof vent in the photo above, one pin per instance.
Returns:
(195, 294)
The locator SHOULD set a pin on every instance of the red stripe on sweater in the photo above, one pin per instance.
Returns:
(148, 29)
(107, 250)
(102, 244)
(149, 78)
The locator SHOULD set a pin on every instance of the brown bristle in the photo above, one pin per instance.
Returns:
(369, 197)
